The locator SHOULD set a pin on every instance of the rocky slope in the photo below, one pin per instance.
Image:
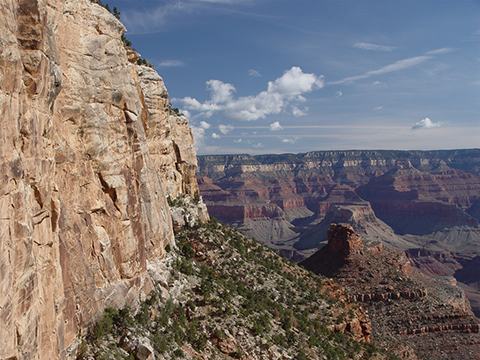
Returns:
(430, 315)
(88, 153)
(223, 295)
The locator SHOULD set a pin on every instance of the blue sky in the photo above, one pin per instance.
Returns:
(277, 76)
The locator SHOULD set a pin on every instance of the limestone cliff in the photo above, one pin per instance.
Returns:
(88, 153)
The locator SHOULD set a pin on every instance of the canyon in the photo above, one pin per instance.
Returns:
(422, 202)
(428, 314)
(99, 175)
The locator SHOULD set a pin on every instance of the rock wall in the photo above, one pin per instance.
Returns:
(82, 195)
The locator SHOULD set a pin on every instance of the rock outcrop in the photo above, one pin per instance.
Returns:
(403, 304)
(88, 153)
(342, 238)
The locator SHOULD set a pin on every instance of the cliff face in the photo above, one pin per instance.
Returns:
(82, 195)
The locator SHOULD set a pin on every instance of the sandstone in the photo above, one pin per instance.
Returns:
(88, 153)
(343, 238)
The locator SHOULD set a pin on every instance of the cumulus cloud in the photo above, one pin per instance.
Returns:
(204, 125)
(198, 137)
(338, 93)
(259, 145)
(238, 141)
(219, 91)
(373, 47)
(426, 124)
(215, 136)
(276, 126)
(225, 129)
(186, 113)
(279, 94)
(378, 108)
(290, 140)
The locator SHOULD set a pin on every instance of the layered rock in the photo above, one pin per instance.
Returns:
(343, 239)
(403, 304)
(384, 195)
(82, 196)
(420, 202)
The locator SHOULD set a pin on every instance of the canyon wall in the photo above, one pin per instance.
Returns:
(89, 151)
(382, 194)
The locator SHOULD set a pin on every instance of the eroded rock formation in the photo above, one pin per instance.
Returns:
(418, 310)
(82, 195)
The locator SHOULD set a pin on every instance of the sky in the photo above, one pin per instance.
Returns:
(281, 76)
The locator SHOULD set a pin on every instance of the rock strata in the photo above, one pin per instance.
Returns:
(343, 238)
(381, 194)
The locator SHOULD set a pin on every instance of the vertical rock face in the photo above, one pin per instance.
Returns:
(169, 137)
(82, 196)
(343, 238)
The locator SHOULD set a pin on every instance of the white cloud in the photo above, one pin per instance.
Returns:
(259, 145)
(207, 108)
(238, 141)
(198, 137)
(338, 93)
(294, 82)
(426, 124)
(374, 47)
(399, 65)
(396, 66)
(253, 73)
(290, 140)
(220, 92)
(205, 125)
(440, 51)
(279, 94)
(141, 21)
(171, 63)
(378, 108)
(275, 126)
(225, 129)
(297, 112)
(216, 136)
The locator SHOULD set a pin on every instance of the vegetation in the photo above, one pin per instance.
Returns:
(173, 111)
(238, 297)
(144, 62)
